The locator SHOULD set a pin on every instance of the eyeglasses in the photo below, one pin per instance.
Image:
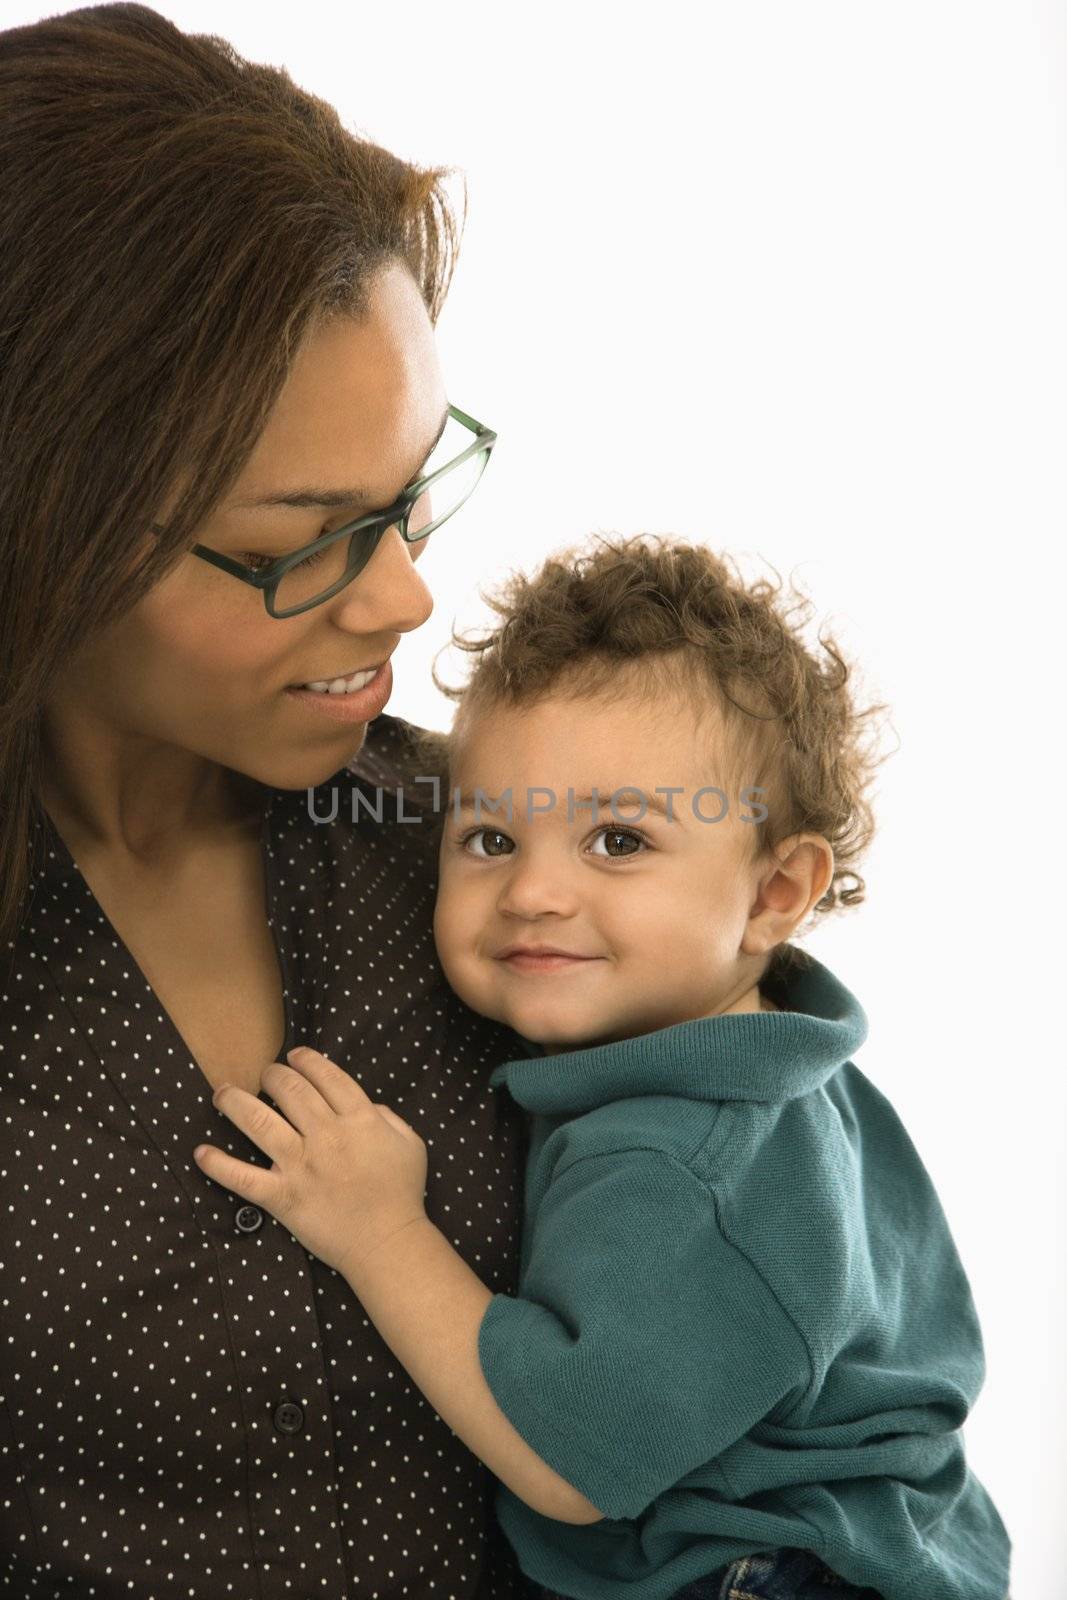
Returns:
(319, 570)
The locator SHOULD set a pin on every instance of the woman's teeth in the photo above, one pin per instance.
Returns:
(358, 680)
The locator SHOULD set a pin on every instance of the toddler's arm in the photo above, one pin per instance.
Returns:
(428, 1305)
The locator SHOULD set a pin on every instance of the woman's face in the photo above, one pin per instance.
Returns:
(199, 665)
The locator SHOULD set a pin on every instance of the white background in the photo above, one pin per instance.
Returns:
(791, 278)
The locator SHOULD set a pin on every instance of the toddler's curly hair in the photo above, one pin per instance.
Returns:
(689, 625)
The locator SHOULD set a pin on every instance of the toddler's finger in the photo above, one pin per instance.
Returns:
(252, 1183)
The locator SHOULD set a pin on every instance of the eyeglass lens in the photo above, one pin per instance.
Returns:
(329, 569)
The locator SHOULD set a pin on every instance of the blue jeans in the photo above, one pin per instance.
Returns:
(776, 1575)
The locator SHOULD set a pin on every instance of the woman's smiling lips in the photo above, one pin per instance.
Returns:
(541, 958)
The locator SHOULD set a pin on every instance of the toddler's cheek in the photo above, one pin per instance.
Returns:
(447, 927)
(460, 966)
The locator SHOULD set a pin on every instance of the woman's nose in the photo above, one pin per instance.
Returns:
(388, 596)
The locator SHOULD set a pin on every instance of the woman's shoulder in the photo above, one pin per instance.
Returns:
(396, 752)
(384, 800)
(401, 774)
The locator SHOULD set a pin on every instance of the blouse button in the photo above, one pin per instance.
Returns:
(288, 1418)
(248, 1219)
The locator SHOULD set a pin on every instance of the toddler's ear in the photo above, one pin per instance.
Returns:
(787, 889)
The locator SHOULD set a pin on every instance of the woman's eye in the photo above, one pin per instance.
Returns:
(494, 834)
(615, 834)
(257, 563)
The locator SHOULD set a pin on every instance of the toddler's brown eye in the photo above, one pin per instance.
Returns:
(632, 842)
(488, 833)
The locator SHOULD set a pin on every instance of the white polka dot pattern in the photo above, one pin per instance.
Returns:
(192, 1405)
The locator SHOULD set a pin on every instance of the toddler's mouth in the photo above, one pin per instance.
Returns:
(542, 958)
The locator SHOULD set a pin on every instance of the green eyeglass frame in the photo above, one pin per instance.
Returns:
(395, 515)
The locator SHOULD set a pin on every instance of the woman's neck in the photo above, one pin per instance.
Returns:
(148, 815)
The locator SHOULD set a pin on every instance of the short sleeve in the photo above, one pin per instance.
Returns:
(643, 1343)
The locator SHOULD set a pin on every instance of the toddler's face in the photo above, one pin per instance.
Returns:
(656, 909)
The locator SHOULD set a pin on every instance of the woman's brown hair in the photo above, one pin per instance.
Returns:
(174, 219)
(657, 619)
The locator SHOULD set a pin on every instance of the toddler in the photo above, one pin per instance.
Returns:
(743, 1344)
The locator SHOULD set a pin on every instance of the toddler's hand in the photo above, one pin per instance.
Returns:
(347, 1172)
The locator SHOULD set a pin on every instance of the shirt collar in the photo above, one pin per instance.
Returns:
(766, 1055)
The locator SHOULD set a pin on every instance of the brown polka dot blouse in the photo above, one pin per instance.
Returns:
(192, 1404)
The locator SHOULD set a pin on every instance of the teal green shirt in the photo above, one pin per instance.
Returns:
(741, 1321)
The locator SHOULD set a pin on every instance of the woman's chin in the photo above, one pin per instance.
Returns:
(303, 771)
